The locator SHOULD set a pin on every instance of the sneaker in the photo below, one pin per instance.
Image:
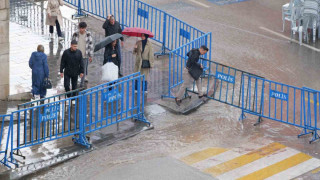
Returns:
(60, 39)
(120, 75)
(51, 36)
(86, 79)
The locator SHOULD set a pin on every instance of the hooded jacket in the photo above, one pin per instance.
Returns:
(40, 70)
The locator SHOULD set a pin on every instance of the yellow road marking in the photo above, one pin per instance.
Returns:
(202, 155)
(278, 167)
(315, 171)
(244, 159)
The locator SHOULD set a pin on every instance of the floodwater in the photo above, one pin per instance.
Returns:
(239, 40)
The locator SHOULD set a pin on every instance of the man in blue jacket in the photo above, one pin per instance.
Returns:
(71, 66)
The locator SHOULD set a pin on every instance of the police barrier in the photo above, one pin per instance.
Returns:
(223, 83)
(280, 102)
(112, 104)
(98, 107)
(5, 140)
(168, 30)
(46, 122)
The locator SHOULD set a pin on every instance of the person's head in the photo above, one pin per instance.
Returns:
(40, 48)
(74, 45)
(112, 20)
(144, 36)
(203, 49)
(114, 43)
(82, 27)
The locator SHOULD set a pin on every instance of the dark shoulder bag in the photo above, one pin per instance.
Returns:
(47, 83)
(145, 63)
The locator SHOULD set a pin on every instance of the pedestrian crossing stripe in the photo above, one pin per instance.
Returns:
(202, 155)
(244, 159)
(277, 167)
(270, 161)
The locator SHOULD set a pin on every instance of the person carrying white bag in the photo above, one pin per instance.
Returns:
(111, 61)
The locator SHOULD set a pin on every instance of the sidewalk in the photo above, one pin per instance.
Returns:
(164, 168)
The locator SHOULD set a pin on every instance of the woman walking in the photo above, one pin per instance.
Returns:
(54, 17)
(144, 57)
(40, 70)
(112, 54)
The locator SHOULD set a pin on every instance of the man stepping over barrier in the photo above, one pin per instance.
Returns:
(192, 73)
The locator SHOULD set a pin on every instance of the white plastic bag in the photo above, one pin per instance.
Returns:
(109, 72)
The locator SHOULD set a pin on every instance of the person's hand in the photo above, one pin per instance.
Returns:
(61, 75)
(90, 59)
(135, 46)
(201, 66)
(114, 55)
(122, 43)
(81, 75)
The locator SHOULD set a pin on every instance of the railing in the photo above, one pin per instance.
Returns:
(47, 122)
(280, 102)
(223, 83)
(6, 140)
(97, 108)
(113, 104)
(168, 30)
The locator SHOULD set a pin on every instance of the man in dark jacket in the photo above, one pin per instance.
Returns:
(111, 26)
(71, 66)
(192, 63)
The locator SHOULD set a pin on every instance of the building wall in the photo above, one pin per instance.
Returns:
(4, 49)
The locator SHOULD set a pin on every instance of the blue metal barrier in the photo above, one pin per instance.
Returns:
(93, 109)
(311, 112)
(280, 102)
(47, 122)
(112, 104)
(168, 30)
(5, 136)
(222, 83)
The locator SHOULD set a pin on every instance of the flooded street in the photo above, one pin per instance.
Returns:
(245, 35)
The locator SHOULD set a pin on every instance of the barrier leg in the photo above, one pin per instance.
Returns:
(142, 118)
(314, 137)
(82, 140)
(242, 116)
(19, 153)
(305, 132)
(258, 121)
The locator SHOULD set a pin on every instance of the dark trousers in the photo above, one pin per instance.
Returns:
(119, 63)
(58, 29)
(74, 82)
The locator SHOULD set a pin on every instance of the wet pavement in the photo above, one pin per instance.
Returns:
(246, 35)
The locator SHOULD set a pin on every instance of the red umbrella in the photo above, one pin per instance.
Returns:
(134, 31)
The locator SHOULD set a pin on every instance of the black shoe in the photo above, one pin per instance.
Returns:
(120, 75)
(177, 101)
